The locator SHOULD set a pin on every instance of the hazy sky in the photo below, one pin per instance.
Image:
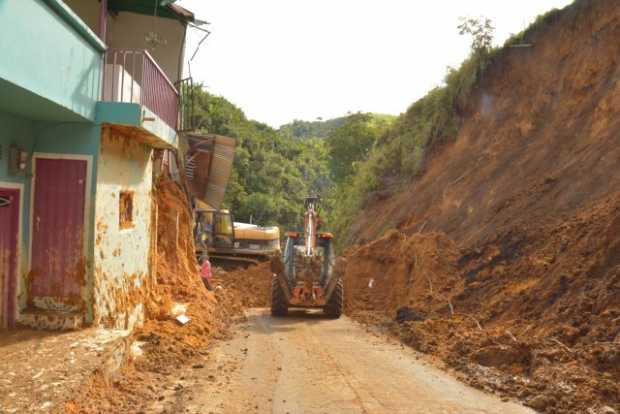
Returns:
(281, 60)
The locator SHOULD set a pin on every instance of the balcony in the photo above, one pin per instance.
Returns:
(133, 76)
(50, 68)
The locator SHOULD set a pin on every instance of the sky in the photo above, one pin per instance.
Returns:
(280, 60)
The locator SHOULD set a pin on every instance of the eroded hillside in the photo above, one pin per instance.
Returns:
(505, 248)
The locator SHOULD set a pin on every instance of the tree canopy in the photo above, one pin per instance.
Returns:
(273, 172)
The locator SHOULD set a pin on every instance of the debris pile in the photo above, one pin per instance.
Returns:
(163, 344)
(533, 314)
(397, 271)
(244, 288)
(179, 290)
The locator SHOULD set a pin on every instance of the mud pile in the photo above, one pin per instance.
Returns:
(165, 344)
(179, 288)
(520, 220)
(533, 314)
(244, 288)
(396, 271)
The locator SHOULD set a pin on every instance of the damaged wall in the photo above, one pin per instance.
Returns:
(17, 130)
(122, 230)
(36, 137)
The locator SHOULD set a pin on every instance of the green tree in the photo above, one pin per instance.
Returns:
(352, 141)
(273, 171)
(481, 31)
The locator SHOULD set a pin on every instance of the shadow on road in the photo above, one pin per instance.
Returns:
(264, 323)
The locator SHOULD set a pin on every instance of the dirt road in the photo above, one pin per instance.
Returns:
(307, 364)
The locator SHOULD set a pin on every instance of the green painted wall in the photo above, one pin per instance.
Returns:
(35, 36)
(32, 136)
(15, 130)
(136, 115)
(20, 131)
(54, 138)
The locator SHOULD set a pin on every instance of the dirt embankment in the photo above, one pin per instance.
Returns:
(246, 287)
(506, 251)
(166, 345)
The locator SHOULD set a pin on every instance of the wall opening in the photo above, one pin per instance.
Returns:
(125, 210)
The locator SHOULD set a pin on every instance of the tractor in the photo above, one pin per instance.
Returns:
(303, 275)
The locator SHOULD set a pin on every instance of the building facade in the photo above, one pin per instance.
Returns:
(88, 93)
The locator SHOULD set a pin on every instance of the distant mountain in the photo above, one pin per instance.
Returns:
(311, 129)
(319, 129)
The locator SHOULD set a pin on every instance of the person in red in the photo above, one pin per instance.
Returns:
(205, 272)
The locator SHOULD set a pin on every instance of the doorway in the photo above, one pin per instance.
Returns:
(9, 242)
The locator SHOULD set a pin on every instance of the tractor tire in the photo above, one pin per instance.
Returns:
(279, 306)
(335, 306)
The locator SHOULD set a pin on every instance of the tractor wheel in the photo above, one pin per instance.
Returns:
(279, 307)
(335, 306)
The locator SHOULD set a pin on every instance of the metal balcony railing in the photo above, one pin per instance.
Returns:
(133, 76)
(187, 115)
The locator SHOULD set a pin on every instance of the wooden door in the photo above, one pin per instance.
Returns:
(9, 232)
(58, 263)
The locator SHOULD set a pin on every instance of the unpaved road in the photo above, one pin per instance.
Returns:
(307, 364)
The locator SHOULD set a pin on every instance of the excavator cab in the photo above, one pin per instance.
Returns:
(215, 228)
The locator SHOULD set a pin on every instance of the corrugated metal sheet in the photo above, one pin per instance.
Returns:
(58, 264)
(212, 159)
(221, 168)
(9, 231)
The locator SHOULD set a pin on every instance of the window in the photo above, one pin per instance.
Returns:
(125, 212)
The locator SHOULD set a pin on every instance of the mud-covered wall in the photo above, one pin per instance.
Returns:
(49, 138)
(121, 249)
(19, 131)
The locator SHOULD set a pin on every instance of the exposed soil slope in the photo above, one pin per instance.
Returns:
(515, 279)
(539, 138)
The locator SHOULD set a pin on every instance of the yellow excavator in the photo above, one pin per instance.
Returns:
(208, 165)
(225, 240)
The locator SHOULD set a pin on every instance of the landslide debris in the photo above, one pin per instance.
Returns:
(505, 259)
(529, 314)
(168, 347)
(246, 287)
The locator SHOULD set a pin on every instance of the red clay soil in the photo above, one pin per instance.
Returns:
(507, 248)
(246, 287)
(167, 345)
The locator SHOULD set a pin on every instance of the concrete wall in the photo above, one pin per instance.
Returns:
(88, 10)
(122, 276)
(130, 31)
(20, 131)
(34, 35)
(51, 138)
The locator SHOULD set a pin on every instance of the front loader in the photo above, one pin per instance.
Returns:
(303, 276)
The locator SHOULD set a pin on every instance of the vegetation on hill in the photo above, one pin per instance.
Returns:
(273, 172)
(275, 169)
(311, 129)
(400, 152)
(348, 160)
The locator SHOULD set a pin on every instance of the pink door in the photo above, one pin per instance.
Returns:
(57, 263)
(9, 230)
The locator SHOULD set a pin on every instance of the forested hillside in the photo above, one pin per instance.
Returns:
(311, 129)
(275, 169)
(490, 212)
(272, 171)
